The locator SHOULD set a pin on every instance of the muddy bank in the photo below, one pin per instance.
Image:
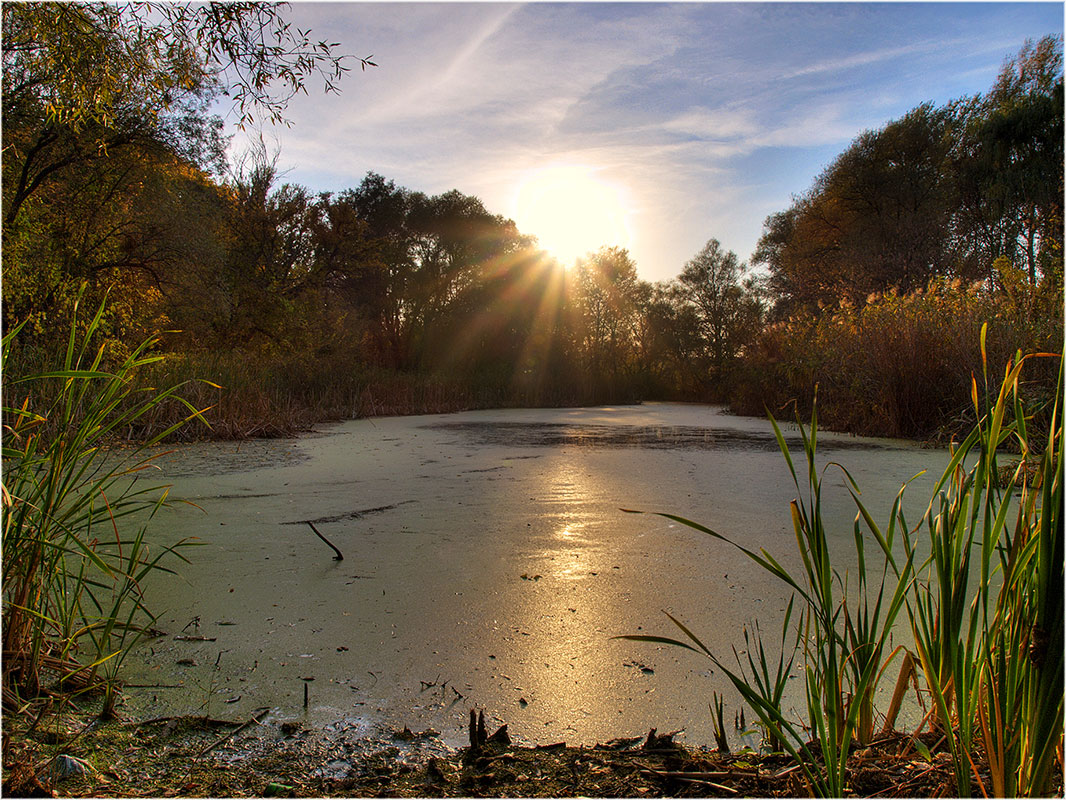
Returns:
(71, 756)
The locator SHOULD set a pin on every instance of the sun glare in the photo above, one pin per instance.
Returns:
(571, 212)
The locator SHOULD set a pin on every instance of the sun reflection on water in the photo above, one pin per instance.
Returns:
(569, 545)
(576, 606)
(568, 563)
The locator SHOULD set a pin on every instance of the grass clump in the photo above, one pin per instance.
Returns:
(979, 580)
(75, 515)
(987, 612)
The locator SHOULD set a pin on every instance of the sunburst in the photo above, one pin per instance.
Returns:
(571, 211)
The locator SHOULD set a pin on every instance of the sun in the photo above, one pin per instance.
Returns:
(571, 211)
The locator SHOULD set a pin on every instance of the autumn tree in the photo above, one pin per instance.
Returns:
(453, 243)
(940, 192)
(100, 101)
(1008, 166)
(875, 219)
(606, 308)
(671, 344)
(505, 332)
(421, 260)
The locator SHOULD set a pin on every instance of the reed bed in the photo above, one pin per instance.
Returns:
(979, 582)
(249, 395)
(900, 365)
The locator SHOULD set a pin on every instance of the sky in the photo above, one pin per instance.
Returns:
(656, 125)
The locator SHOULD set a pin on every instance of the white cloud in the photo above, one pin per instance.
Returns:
(862, 59)
(716, 124)
(826, 124)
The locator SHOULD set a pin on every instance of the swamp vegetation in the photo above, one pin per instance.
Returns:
(990, 656)
(917, 285)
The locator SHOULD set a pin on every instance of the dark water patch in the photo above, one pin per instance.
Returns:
(363, 512)
(225, 458)
(651, 437)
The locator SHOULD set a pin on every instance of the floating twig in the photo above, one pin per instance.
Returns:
(340, 555)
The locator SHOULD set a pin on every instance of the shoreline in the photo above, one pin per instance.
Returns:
(72, 755)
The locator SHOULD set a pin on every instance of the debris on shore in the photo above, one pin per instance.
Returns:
(199, 756)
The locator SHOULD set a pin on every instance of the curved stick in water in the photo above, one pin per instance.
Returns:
(339, 556)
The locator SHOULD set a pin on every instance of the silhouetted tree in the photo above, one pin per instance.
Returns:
(606, 308)
(726, 305)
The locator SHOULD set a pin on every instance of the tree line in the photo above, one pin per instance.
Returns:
(115, 179)
(133, 197)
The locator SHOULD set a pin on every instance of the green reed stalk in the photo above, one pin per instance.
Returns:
(72, 578)
(770, 683)
(992, 668)
(718, 721)
(1021, 703)
(845, 651)
(985, 606)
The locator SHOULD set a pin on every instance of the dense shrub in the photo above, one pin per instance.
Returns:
(901, 365)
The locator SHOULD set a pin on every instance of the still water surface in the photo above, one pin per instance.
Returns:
(487, 564)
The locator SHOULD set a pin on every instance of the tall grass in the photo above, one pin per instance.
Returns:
(75, 513)
(987, 612)
(900, 365)
(843, 632)
(979, 580)
(248, 395)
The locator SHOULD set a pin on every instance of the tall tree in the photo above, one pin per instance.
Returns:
(875, 219)
(606, 302)
(671, 345)
(379, 284)
(726, 305)
(99, 99)
(938, 192)
(1009, 165)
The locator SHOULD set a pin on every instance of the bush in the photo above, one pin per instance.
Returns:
(901, 365)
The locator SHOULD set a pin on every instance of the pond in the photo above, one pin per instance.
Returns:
(487, 564)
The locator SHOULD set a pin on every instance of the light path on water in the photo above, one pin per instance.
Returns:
(487, 564)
